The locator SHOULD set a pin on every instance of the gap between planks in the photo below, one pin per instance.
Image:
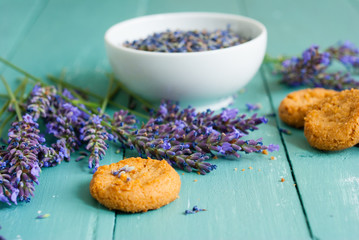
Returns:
(265, 81)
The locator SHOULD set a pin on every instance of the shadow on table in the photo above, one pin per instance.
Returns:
(83, 193)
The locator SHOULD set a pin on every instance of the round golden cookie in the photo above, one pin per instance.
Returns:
(144, 184)
(333, 124)
(295, 105)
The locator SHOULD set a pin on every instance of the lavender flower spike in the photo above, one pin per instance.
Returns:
(40, 101)
(19, 161)
(63, 122)
(95, 135)
(302, 71)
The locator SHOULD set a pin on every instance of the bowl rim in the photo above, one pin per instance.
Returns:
(263, 31)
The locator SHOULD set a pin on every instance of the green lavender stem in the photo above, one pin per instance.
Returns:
(6, 121)
(71, 86)
(13, 98)
(138, 98)
(21, 87)
(105, 101)
(38, 80)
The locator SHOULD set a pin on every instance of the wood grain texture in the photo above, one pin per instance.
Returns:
(293, 26)
(228, 6)
(327, 181)
(249, 204)
(14, 27)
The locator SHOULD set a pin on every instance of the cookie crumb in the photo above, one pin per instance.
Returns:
(195, 180)
(243, 170)
(265, 152)
(273, 158)
(282, 179)
(250, 168)
(183, 173)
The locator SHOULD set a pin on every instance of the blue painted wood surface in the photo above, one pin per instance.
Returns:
(320, 197)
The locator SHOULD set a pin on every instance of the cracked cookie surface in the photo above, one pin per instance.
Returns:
(333, 124)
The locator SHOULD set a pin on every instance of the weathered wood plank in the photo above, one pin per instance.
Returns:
(13, 27)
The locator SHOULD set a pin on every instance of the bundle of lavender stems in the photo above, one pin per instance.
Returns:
(311, 69)
(184, 138)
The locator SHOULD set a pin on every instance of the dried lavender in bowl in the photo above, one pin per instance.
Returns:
(187, 41)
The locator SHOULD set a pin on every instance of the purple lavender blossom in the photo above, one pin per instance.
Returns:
(252, 107)
(40, 101)
(64, 122)
(195, 209)
(310, 69)
(285, 131)
(347, 53)
(19, 161)
(123, 170)
(337, 81)
(54, 155)
(96, 136)
(273, 147)
(187, 41)
(228, 114)
(302, 71)
(186, 139)
(124, 123)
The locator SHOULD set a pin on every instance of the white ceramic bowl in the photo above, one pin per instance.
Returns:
(201, 79)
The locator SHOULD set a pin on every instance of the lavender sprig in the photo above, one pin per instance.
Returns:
(123, 124)
(303, 70)
(19, 161)
(187, 139)
(312, 68)
(63, 122)
(40, 101)
(63, 119)
(227, 121)
(54, 155)
(96, 135)
(347, 53)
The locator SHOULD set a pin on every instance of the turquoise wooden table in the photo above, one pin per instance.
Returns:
(319, 198)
